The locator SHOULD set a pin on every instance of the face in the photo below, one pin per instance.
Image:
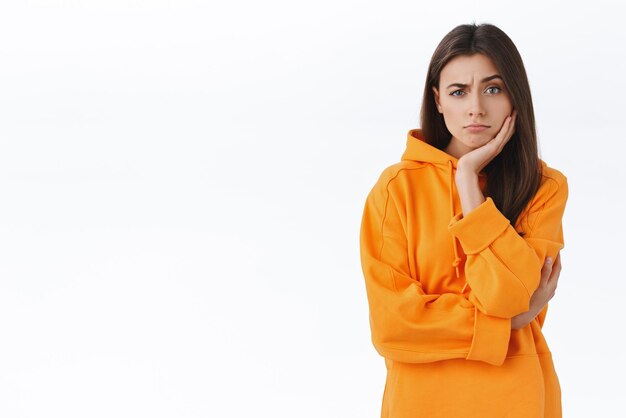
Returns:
(468, 94)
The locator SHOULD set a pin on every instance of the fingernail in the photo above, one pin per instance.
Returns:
(550, 260)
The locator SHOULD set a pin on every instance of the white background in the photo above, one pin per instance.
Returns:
(182, 183)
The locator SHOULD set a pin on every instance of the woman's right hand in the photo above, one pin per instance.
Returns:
(547, 287)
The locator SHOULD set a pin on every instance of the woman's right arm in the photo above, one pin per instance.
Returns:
(409, 324)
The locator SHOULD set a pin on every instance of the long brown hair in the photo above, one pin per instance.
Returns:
(514, 175)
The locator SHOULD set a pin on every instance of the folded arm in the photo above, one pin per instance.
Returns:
(503, 269)
(406, 323)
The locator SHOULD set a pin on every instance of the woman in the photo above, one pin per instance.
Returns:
(456, 242)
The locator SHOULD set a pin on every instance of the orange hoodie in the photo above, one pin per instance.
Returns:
(442, 289)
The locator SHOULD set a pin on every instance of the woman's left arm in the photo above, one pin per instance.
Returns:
(503, 268)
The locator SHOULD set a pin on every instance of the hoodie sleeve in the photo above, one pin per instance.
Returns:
(503, 268)
(408, 325)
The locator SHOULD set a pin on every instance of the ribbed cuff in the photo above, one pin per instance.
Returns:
(479, 228)
(491, 339)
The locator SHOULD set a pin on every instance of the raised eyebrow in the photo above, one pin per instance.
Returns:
(484, 80)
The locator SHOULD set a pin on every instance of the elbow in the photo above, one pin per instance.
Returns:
(383, 335)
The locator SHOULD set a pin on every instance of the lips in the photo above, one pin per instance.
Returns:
(476, 128)
(477, 125)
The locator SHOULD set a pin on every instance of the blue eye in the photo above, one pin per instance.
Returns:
(489, 88)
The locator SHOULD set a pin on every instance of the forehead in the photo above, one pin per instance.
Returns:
(467, 69)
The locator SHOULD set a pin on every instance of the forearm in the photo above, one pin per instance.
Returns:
(523, 319)
(469, 190)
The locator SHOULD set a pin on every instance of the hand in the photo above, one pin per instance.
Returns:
(475, 160)
(547, 287)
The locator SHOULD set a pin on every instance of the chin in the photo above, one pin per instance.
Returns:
(475, 141)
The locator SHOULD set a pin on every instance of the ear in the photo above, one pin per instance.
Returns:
(437, 99)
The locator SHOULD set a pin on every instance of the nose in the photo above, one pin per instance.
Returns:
(476, 106)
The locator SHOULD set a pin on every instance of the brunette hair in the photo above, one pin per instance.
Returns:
(514, 175)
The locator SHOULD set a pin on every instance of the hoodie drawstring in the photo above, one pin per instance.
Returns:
(457, 259)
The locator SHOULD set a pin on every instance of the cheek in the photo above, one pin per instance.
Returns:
(451, 110)
(456, 120)
(453, 119)
(501, 112)
(502, 107)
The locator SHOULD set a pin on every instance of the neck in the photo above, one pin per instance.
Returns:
(457, 149)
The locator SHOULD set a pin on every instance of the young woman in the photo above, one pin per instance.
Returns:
(456, 242)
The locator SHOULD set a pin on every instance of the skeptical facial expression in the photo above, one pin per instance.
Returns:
(471, 91)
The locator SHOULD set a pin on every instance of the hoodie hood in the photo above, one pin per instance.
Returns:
(417, 149)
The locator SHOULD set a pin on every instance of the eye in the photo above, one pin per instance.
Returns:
(455, 91)
(494, 87)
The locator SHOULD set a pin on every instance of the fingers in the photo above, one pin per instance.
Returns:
(513, 119)
(554, 275)
(547, 284)
(557, 265)
(506, 132)
(502, 134)
(510, 128)
(546, 270)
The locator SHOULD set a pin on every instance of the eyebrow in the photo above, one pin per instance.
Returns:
(484, 80)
